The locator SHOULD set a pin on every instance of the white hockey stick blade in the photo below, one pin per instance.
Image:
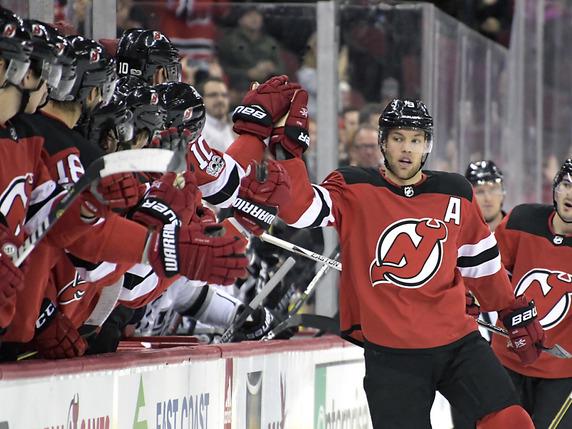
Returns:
(149, 160)
(301, 251)
(105, 305)
(557, 351)
(258, 299)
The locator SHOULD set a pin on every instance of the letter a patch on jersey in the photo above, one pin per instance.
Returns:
(409, 253)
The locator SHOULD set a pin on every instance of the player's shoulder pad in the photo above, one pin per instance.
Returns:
(353, 175)
(530, 218)
(25, 126)
(441, 182)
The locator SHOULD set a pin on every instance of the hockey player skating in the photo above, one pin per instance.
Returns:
(535, 242)
(411, 241)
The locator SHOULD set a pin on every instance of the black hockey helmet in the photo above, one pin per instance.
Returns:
(15, 46)
(144, 102)
(481, 172)
(565, 172)
(95, 69)
(112, 116)
(185, 107)
(140, 52)
(44, 54)
(66, 58)
(406, 114)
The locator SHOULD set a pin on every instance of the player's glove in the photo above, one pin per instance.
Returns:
(118, 191)
(11, 277)
(263, 105)
(203, 215)
(258, 324)
(56, 337)
(170, 199)
(524, 330)
(263, 192)
(198, 252)
(293, 135)
(472, 308)
(172, 139)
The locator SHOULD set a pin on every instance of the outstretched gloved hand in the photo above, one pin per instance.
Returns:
(262, 193)
(293, 134)
(168, 200)
(263, 105)
(198, 252)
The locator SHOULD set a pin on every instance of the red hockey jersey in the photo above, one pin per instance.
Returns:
(540, 263)
(407, 253)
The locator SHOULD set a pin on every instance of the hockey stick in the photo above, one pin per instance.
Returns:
(316, 321)
(257, 301)
(151, 160)
(105, 305)
(560, 414)
(301, 251)
(303, 298)
(556, 351)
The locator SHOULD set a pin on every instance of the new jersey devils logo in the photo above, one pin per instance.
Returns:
(551, 291)
(73, 291)
(409, 253)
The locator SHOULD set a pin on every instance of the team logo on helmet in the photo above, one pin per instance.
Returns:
(9, 30)
(154, 98)
(60, 47)
(94, 56)
(187, 114)
(409, 253)
(37, 30)
(551, 292)
(157, 35)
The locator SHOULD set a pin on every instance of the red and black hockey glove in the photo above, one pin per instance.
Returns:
(169, 199)
(115, 192)
(203, 215)
(262, 193)
(293, 135)
(198, 252)
(11, 277)
(524, 330)
(263, 105)
(172, 139)
(56, 337)
(472, 308)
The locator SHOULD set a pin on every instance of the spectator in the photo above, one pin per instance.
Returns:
(218, 127)
(364, 150)
(246, 53)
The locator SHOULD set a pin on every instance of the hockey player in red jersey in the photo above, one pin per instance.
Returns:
(27, 192)
(535, 242)
(411, 240)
